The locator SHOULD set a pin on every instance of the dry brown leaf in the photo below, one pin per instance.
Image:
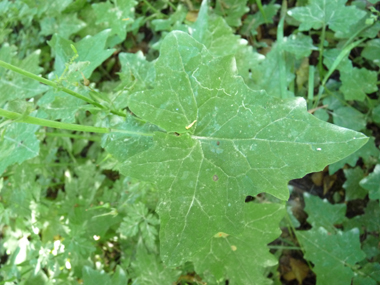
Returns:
(300, 270)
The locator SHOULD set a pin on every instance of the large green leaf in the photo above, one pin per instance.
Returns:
(333, 255)
(231, 142)
(369, 153)
(332, 13)
(213, 31)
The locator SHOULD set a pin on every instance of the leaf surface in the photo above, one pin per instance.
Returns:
(232, 10)
(351, 185)
(332, 13)
(323, 214)
(18, 143)
(357, 83)
(369, 152)
(115, 15)
(232, 142)
(148, 269)
(372, 183)
(13, 85)
(332, 254)
(90, 49)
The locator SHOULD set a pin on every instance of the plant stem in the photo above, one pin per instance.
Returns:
(55, 85)
(58, 125)
(171, 5)
(321, 46)
(152, 8)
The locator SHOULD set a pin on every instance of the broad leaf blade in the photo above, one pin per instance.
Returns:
(332, 254)
(332, 13)
(232, 142)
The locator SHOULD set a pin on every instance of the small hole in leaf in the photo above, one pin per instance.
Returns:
(249, 199)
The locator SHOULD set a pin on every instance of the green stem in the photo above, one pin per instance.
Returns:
(321, 47)
(152, 8)
(349, 41)
(339, 58)
(55, 85)
(261, 9)
(58, 125)
(310, 90)
(171, 5)
(73, 136)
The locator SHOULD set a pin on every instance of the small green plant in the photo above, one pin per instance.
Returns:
(174, 168)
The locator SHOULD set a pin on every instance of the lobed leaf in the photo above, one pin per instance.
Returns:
(332, 13)
(333, 255)
(232, 142)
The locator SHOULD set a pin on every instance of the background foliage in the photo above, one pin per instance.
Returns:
(203, 199)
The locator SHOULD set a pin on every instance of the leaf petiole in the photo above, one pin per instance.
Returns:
(56, 85)
(65, 126)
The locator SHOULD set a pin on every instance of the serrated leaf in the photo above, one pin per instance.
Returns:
(371, 51)
(53, 6)
(276, 67)
(369, 221)
(94, 277)
(232, 11)
(90, 48)
(351, 185)
(148, 269)
(18, 143)
(174, 22)
(357, 83)
(349, 117)
(332, 13)
(137, 220)
(60, 105)
(371, 274)
(323, 214)
(372, 183)
(13, 85)
(115, 15)
(371, 246)
(243, 142)
(329, 57)
(299, 45)
(327, 251)
(252, 22)
(65, 25)
(212, 31)
(136, 74)
(357, 29)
